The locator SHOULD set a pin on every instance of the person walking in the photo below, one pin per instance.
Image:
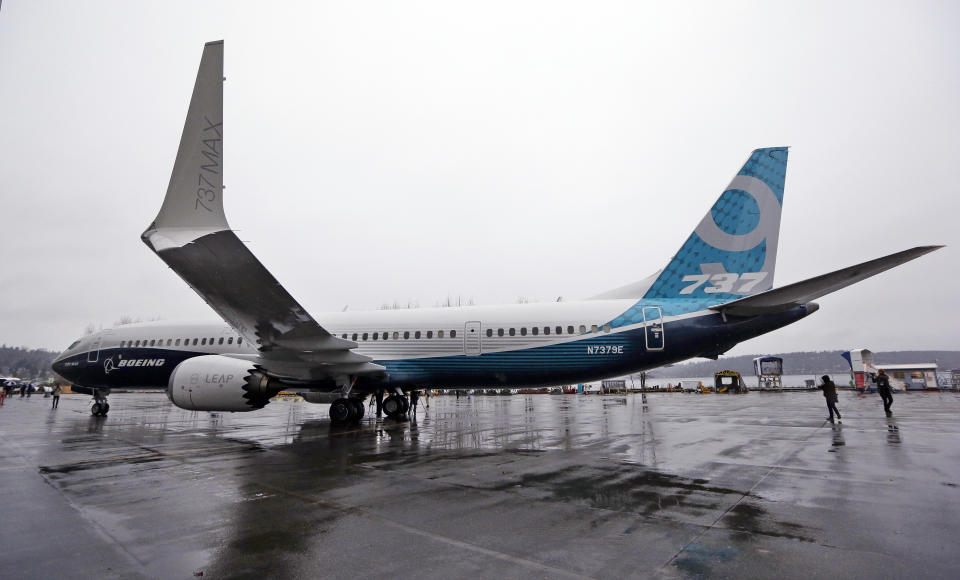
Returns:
(56, 396)
(414, 397)
(829, 389)
(3, 394)
(883, 388)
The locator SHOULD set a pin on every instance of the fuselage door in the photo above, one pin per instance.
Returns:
(654, 327)
(94, 352)
(471, 339)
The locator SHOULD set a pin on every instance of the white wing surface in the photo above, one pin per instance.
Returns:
(192, 236)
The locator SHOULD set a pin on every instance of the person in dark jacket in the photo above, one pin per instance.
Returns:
(830, 394)
(379, 399)
(414, 397)
(883, 388)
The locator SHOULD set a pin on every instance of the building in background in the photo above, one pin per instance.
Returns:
(912, 376)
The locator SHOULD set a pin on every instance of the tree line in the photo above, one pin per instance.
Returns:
(26, 363)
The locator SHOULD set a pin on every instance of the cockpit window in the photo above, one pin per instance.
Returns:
(74, 345)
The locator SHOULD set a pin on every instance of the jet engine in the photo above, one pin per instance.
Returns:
(220, 383)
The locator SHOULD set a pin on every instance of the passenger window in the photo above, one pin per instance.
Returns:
(499, 332)
(177, 343)
(343, 336)
(593, 328)
(546, 330)
(375, 334)
(523, 331)
(513, 332)
(239, 340)
(396, 335)
(429, 334)
(559, 330)
(230, 340)
(153, 343)
(416, 334)
(354, 337)
(203, 342)
(453, 334)
(365, 336)
(535, 330)
(583, 329)
(138, 343)
(606, 328)
(570, 329)
(220, 340)
(489, 332)
(195, 341)
(406, 334)
(439, 334)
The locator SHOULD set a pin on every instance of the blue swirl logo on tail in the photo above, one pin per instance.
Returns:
(733, 250)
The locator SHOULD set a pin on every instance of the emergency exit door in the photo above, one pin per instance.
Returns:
(471, 339)
(653, 318)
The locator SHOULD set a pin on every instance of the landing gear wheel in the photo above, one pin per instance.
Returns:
(100, 408)
(395, 406)
(357, 409)
(342, 411)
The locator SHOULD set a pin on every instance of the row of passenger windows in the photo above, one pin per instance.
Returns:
(547, 330)
(523, 331)
(178, 342)
(385, 335)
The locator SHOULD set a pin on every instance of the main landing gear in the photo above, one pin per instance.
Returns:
(100, 407)
(346, 410)
(396, 406)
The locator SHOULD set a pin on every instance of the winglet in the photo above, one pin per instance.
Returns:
(193, 205)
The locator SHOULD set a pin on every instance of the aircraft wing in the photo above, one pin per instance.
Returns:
(192, 236)
(799, 293)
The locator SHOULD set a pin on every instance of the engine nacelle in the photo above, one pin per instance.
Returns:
(220, 383)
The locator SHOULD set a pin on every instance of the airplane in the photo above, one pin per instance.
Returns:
(716, 292)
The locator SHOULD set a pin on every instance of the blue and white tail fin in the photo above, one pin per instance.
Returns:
(733, 251)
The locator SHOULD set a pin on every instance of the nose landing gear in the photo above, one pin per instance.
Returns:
(100, 407)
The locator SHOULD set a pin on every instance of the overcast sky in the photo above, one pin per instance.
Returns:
(490, 150)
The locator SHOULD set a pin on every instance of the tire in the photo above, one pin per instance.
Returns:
(393, 406)
(341, 411)
(104, 408)
(95, 409)
(358, 408)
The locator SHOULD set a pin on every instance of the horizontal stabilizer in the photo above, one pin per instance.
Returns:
(799, 293)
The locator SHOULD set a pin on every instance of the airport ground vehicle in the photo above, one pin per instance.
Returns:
(729, 382)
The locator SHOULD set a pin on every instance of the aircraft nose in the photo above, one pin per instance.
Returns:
(58, 365)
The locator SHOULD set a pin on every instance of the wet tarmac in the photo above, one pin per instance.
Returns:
(545, 486)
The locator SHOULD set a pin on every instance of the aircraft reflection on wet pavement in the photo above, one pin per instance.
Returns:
(553, 486)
